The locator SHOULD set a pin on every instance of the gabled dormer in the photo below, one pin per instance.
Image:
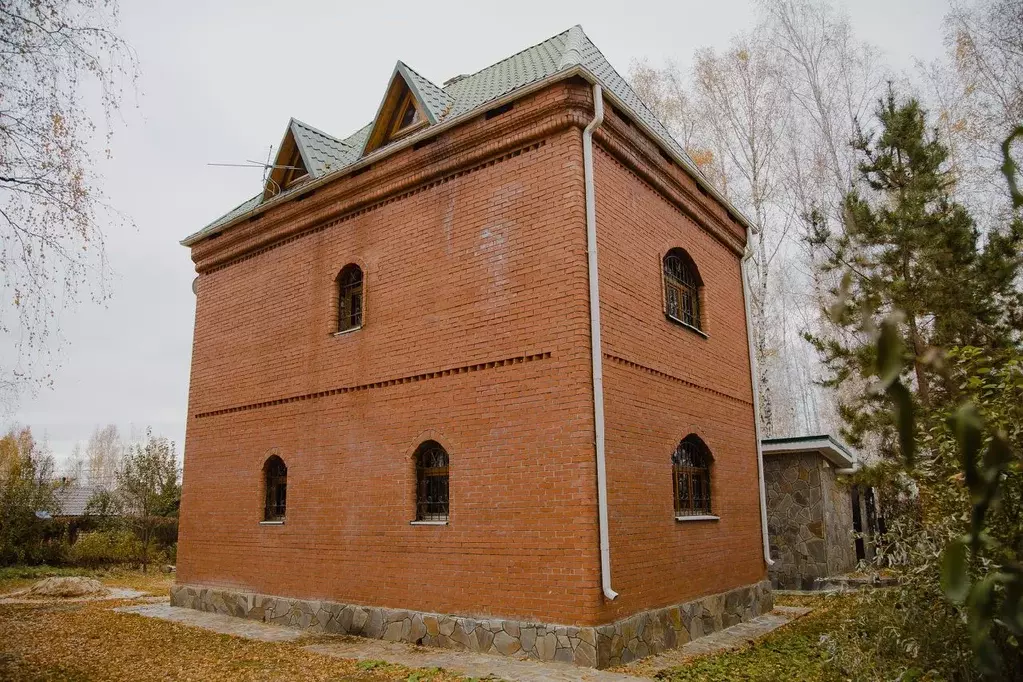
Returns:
(289, 167)
(410, 103)
(305, 153)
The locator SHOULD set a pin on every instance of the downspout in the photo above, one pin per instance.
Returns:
(755, 383)
(595, 352)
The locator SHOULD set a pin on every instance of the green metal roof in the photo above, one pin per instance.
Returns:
(324, 154)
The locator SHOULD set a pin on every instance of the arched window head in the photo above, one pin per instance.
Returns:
(275, 485)
(682, 286)
(432, 500)
(690, 468)
(349, 299)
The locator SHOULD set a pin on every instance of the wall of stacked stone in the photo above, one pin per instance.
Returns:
(809, 520)
(838, 523)
(795, 520)
(642, 634)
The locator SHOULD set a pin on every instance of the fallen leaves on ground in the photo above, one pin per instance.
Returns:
(20, 577)
(86, 641)
(796, 652)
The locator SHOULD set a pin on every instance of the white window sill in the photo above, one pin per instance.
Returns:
(695, 330)
(348, 331)
(699, 517)
(271, 523)
(427, 523)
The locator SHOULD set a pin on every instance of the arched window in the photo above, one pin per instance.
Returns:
(690, 468)
(432, 500)
(275, 482)
(682, 285)
(349, 299)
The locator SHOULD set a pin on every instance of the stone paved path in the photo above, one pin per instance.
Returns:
(216, 622)
(465, 663)
(722, 640)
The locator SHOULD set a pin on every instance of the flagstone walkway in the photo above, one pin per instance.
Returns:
(216, 622)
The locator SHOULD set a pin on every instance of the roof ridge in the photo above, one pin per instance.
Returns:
(426, 79)
(319, 132)
(641, 103)
(508, 58)
(573, 53)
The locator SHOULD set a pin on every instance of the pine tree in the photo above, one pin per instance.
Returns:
(908, 247)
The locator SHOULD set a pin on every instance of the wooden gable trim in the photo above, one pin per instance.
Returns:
(289, 166)
(387, 126)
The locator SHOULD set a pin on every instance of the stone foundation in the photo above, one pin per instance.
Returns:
(601, 646)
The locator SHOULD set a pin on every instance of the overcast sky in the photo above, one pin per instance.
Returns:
(219, 82)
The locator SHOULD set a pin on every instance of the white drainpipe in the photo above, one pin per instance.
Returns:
(756, 395)
(595, 353)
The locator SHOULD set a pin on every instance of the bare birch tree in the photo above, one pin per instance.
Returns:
(60, 62)
(103, 456)
(743, 91)
(74, 467)
(976, 92)
(834, 80)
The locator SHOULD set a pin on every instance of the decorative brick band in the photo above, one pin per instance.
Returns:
(670, 377)
(601, 646)
(378, 204)
(378, 384)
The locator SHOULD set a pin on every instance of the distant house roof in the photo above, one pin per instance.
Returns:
(570, 50)
(831, 448)
(74, 498)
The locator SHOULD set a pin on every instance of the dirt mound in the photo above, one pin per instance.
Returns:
(66, 588)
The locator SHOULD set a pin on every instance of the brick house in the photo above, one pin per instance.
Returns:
(423, 408)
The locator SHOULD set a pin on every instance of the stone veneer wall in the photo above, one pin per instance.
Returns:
(809, 520)
(639, 635)
(838, 523)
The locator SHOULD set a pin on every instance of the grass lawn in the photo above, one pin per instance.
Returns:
(87, 641)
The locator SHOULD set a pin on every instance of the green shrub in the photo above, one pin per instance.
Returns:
(165, 532)
(104, 548)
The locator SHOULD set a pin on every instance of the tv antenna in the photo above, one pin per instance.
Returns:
(268, 167)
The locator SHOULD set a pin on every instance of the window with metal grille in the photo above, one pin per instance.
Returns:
(349, 300)
(432, 500)
(690, 468)
(682, 285)
(275, 479)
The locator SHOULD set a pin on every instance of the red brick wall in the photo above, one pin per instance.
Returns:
(476, 334)
(485, 267)
(662, 382)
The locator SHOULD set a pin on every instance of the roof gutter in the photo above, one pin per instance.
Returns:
(596, 358)
(397, 146)
(755, 383)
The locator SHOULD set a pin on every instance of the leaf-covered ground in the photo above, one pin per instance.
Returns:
(794, 652)
(830, 644)
(87, 641)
